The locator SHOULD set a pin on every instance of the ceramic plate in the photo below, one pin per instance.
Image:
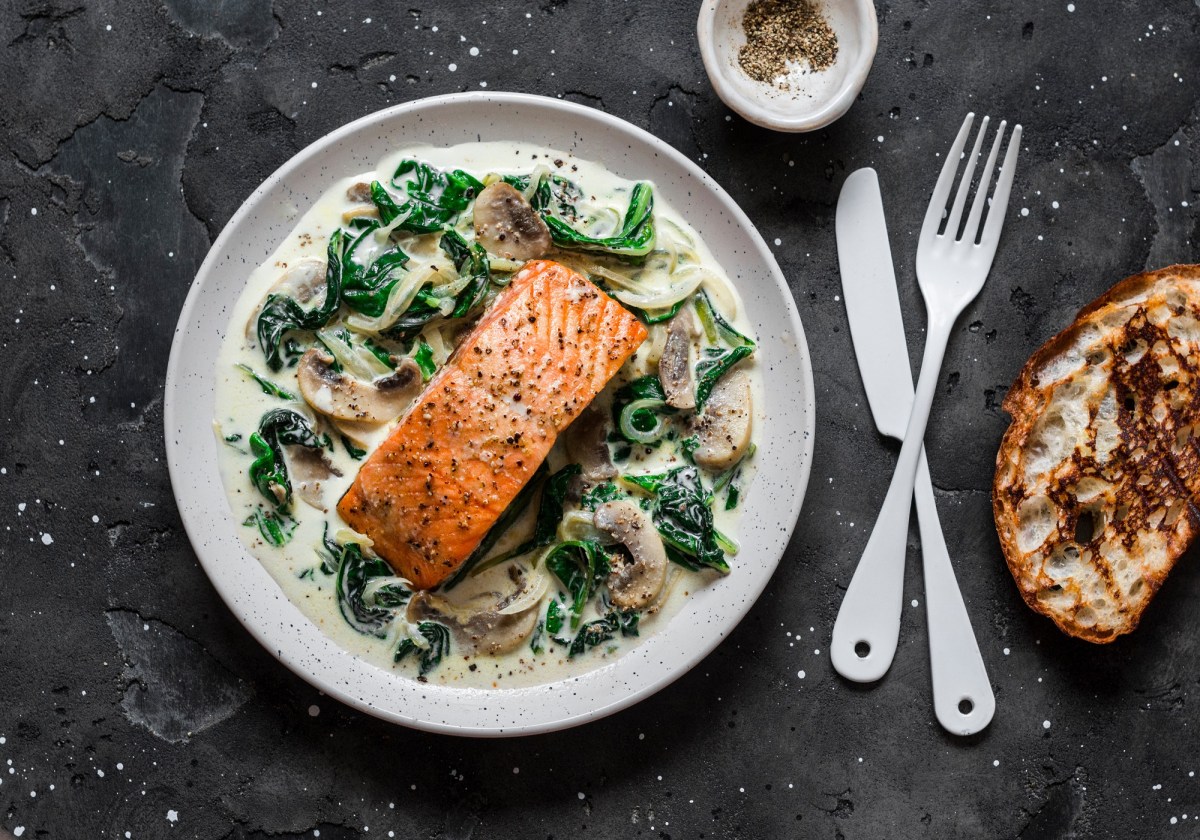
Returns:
(785, 436)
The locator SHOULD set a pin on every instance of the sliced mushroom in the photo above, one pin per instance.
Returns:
(633, 585)
(339, 395)
(675, 363)
(724, 428)
(359, 193)
(506, 224)
(309, 469)
(587, 445)
(482, 623)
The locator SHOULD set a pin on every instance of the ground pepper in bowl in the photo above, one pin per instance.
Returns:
(782, 31)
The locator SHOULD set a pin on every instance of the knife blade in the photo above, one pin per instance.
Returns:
(962, 693)
(872, 302)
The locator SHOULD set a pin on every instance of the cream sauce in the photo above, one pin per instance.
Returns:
(295, 565)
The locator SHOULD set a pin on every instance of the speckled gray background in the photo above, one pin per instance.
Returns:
(132, 704)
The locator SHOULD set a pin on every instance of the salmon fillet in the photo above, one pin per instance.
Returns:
(547, 346)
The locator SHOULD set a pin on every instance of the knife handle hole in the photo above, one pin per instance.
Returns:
(862, 650)
(965, 706)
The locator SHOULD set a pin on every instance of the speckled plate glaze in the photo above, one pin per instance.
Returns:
(785, 437)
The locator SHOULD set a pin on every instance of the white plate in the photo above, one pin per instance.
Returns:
(785, 437)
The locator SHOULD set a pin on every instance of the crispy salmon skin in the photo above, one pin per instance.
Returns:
(535, 360)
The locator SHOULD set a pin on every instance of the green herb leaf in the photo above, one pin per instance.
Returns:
(602, 629)
(535, 638)
(365, 288)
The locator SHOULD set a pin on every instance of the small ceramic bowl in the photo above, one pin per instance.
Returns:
(810, 100)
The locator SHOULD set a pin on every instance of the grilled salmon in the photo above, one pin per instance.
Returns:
(547, 346)
(1097, 489)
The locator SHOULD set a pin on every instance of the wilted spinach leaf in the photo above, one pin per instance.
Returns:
(275, 527)
(280, 314)
(268, 387)
(278, 428)
(354, 570)
(635, 238)
(438, 636)
(471, 260)
(603, 629)
(598, 495)
(581, 565)
(365, 288)
(682, 515)
(434, 198)
(424, 359)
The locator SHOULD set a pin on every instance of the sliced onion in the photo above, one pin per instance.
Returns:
(658, 340)
(722, 294)
(532, 595)
(437, 343)
(636, 435)
(357, 361)
(578, 525)
(681, 287)
(399, 299)
(535, 179)
(614, 278)
(373, 585)
(344, 536)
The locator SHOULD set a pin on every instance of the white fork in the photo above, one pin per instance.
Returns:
(951, 271)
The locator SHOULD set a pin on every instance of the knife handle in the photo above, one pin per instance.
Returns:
(962, 693)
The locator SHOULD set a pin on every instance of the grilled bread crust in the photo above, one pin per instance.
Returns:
(1097, 487)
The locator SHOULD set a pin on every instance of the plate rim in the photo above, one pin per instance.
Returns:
(224, 586)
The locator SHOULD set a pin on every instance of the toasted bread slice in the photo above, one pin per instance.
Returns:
(1098, 478)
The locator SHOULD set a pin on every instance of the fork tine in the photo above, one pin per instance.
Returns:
(937, 204)
(964, 185)
(995, 219)
(985, 183)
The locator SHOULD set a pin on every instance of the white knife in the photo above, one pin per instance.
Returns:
(962, 693)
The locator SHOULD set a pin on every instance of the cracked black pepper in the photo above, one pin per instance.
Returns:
(782, 31)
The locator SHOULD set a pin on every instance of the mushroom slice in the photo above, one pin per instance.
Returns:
(587, 445)
(506, 224)
(344, 397)
(359, 193)
(675, 363)
(724, 428)
(309, 469)
(485, 623)
(633, 585)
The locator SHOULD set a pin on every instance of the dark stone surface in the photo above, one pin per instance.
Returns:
(130, 697)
